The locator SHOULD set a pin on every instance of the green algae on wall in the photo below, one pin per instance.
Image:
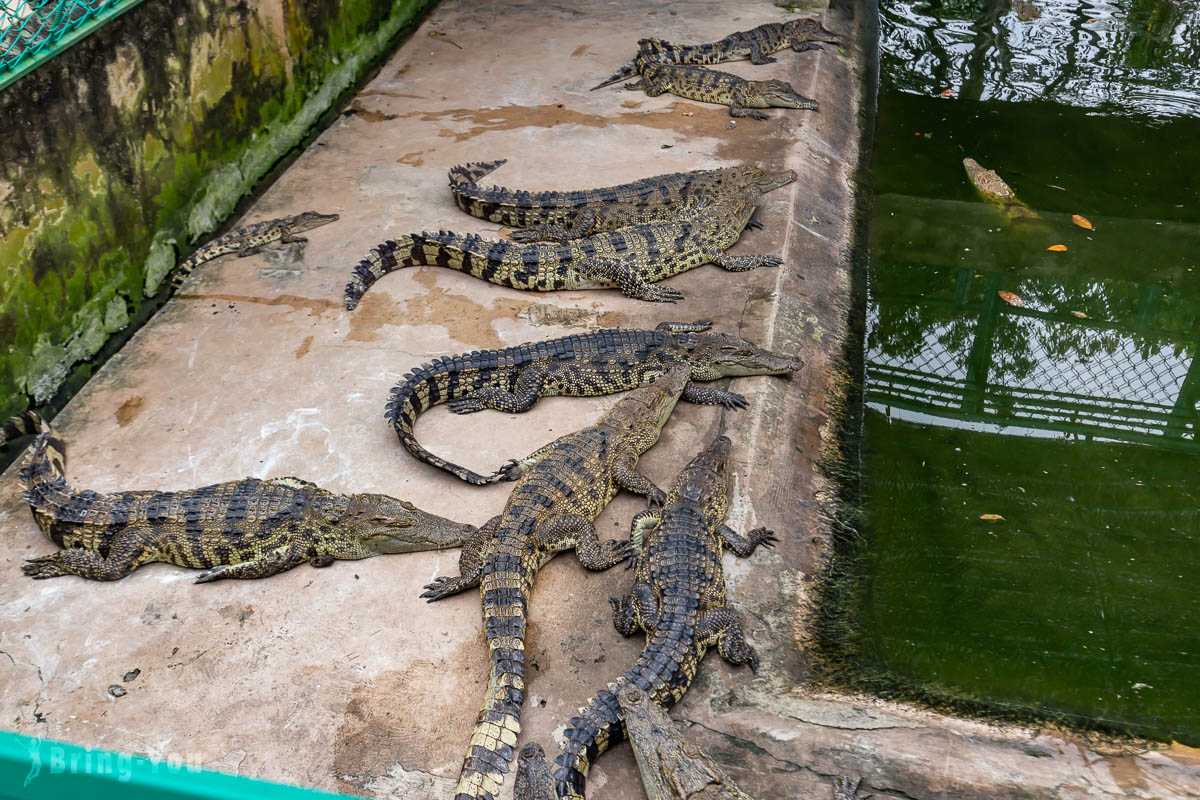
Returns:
(127, 149)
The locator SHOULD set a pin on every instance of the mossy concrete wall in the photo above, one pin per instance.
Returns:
(121, 153)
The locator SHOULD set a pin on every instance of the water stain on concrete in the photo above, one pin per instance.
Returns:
(412, 159)
(378, 729)
(357, 109)
(128, 411)
(295, 302)
(470, 321)
(304, 347)
(579, 51)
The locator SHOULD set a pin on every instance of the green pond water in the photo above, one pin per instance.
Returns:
(1057, 390)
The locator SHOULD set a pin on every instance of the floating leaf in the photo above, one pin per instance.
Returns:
(991, 518)
(1079, 314)
(1012, 298)
(1083, 222)
(947, 92)
(1057, 248)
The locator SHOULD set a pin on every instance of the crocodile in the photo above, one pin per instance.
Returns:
(632, 259)
(582, 365)
(743, 97)
(678, 599)
(248, 240)
(562, 216)
(240, 529)
(757, 44)
(562, 488)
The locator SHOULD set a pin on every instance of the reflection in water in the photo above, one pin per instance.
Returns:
(1139, 57)
(1032, 509)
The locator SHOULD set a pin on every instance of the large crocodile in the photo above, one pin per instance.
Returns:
(581, 365)
(632, 259)
(756, 44)
(561, 216)
(249, 239)
(242, 529)
(678, 600)
(743, 97)
(562, 489)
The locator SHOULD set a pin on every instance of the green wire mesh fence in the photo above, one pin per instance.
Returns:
(33, 31)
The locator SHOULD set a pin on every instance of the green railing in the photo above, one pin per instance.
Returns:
(33, 31)
(43, 769)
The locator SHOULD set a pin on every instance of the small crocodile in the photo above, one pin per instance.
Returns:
(632, 259)
(241, 529)
(581, 365)
(678, 600)
(250, 239)
(562, 489)
(562, 216)
(743, 97)
(805, 33)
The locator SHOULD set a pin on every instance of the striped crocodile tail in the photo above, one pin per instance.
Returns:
(626, 72)
(494, 740)
(600, 725)
(466, 175)
(44, 473)
(23, 424)
(441, 249)
(421, 389)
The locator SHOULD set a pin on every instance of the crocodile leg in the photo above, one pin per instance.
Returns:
(624, 617)
(580, 227)
(273, 562)
(571, 530)
(627, 279)
(288, 238)
(758, 55)
(736, 109)
(744, 546)
(470, 565)
(722, 625)
(744, 263)
(628, 478)
(712, 396)
(127, 553)
(534, 781)
(525, 393)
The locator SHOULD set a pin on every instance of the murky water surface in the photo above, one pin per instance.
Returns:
(1032, 469)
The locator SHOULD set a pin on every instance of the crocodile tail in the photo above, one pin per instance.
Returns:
(23, 424)
(467, 175)
(470, 253)
(43, 475)
(599, 725)
(493, 744)
(432, 384)
(626, 72)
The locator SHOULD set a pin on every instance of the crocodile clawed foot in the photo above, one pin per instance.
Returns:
(763, 536)
(661, 294)
(734, 400)
(510, 471)
(440, 587)
(464, 405)
(44, 567)
(846, 788)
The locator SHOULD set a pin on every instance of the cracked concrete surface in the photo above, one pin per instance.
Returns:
(340, 678)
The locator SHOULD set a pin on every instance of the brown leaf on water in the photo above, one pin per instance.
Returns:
(1079, 314)
(947, 92)
(991, 518)
(1057, 248)
(1012, 298)
(1083, 222)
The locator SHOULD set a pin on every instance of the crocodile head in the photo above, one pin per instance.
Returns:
(309, 220)
(375, 524)
(810, 29)
(704, 482)
(752, 177)
(721, 355)
(776, 94)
